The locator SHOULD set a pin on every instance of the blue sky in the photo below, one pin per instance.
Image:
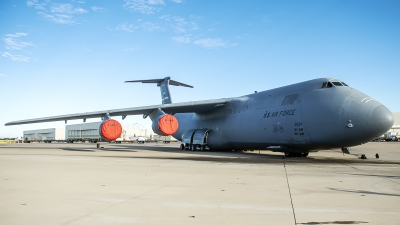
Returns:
(68, 56)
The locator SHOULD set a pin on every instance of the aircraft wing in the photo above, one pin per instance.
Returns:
(185, 107)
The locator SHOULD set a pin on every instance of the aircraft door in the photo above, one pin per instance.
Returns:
(187, 139)
(200, 139)
(195, 139)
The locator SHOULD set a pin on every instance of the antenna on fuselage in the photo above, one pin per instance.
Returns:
(164, 87)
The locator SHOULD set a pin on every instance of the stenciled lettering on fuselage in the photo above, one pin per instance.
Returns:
(298, 128)
(286, 112)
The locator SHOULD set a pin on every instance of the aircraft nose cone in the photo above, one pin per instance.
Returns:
(366, 120)
(381, 120)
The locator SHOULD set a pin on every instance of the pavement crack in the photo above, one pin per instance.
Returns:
(290, 194)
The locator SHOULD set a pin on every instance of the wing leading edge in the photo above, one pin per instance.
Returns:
(185, 107)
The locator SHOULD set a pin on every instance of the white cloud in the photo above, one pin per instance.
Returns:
(14, 44)
(150, 26)
(57, 12)
(66, 9)
(144, 6)
(266, 19)
(179, 24)
(19, 34)
(177, 1)
(156, 2)
(136, 48)
(183, 39)
(126, 27)
(36, 5)
(98, 9)
(18, 58)
(58, 18)
(212, 43)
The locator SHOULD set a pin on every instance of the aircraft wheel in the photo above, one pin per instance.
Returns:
(182, 147)
(304, 154)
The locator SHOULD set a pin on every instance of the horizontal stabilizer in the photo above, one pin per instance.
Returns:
(160, 81)
(163, 84)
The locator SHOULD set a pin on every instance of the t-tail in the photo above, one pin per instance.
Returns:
(164, 87)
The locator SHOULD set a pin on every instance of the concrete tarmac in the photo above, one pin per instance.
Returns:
(160, 184)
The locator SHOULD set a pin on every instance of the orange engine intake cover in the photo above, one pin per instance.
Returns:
(168, 124)
(110, 129)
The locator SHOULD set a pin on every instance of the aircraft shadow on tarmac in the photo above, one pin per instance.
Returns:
(227, 156)
(372, 175)
(78, 150)
(363, 192)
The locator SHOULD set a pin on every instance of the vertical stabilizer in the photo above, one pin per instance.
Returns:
(164, 87)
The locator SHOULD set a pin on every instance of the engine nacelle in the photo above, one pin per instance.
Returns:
(165, 125)
(110, 129)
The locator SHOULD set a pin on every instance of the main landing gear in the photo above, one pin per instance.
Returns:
(192, 147)
(295, 154)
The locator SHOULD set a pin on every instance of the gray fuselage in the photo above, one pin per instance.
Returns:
(306, 116)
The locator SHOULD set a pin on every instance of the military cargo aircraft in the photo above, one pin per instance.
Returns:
(319, 114)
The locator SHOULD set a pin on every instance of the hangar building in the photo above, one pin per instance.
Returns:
(85, 131)
(396, 125)
(49, 134)
(91, 131)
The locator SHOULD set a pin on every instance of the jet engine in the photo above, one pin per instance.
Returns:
(110, 129)
(165, 125)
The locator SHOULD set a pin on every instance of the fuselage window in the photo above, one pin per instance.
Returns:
(337, 84)
(344, 84)
(323, 85)
(329, 85)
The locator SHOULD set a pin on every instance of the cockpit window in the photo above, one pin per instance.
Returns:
(326, 85)
(337, 83)
(333, 84)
